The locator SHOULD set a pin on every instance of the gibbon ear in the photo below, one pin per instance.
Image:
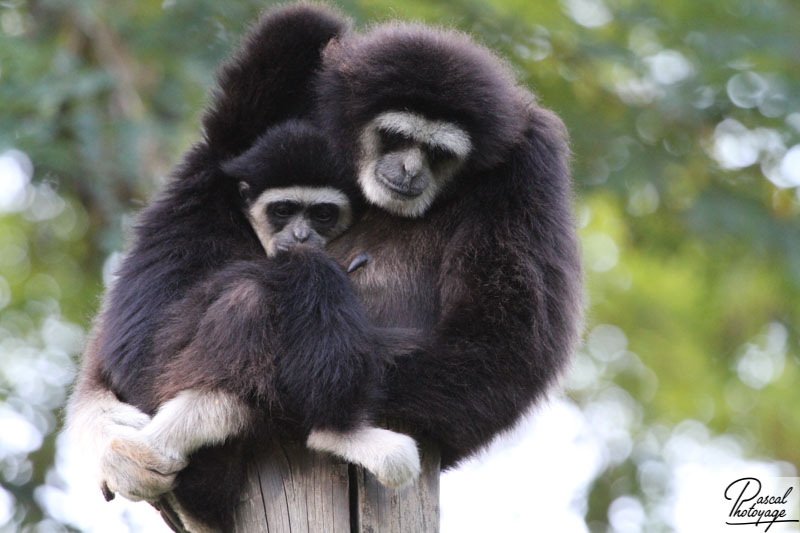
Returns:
(244, 191)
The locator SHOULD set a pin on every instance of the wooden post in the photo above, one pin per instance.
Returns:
(291, 489)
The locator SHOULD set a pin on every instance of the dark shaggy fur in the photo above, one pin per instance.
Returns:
(197, 224)
(285, 334)
(283, 49)
(491, 272)
(260, 329)
(292, 153)
(238, 321)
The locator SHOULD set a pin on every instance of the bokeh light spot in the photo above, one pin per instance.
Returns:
(16, 170)
(747, 89)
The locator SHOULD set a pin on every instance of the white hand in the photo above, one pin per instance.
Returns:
(138, 468)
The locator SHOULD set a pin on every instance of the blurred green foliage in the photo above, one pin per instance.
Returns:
(685, 125)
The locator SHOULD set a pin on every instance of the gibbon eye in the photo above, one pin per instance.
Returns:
(324, 213)
(244, 190)
(437, 154)
(282, 209)
(392, 140)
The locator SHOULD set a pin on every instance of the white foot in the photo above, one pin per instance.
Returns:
(392, 457)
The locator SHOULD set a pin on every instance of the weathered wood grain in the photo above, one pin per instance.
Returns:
(410, 509)
(293, 490)
(289, 489)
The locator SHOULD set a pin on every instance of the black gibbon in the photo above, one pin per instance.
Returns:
(469, 225)
(468, 219)
(271, 344)
(265, 344)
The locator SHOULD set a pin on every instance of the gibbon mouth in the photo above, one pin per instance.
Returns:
(397, 189)
(286, 246)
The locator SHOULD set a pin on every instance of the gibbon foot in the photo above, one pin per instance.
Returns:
(392, 457)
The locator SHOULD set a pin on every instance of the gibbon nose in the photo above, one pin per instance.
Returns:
(301, 233)
(411, 165)
(410, 171)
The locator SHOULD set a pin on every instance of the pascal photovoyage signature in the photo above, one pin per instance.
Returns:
(750, 507)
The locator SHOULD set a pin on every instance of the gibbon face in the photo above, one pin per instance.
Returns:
(292, 216)
(407, 158)
(294, 189)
